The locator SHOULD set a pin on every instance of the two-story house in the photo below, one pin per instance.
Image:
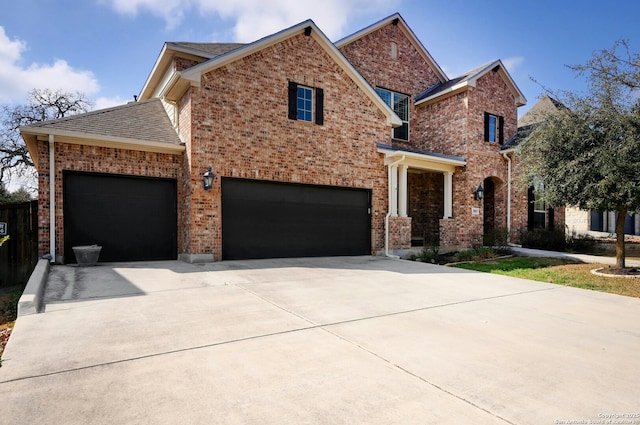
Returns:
(288, 146)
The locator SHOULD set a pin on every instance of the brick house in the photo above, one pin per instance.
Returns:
(355, 147)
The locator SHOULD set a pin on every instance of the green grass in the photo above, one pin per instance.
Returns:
(558, 271)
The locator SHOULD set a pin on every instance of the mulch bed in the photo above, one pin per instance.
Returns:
(632, 272)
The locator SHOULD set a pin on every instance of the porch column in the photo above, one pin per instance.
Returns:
(402, 191)
(448, 194)
(393, 186)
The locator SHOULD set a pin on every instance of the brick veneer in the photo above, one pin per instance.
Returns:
(73, 157)
(399, 232)
(239, 126)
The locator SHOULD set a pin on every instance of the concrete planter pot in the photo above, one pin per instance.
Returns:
(87, 255)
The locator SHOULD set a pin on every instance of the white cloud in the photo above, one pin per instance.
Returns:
(16, 79)
(258, 18)
(512, 63)
(108, 102)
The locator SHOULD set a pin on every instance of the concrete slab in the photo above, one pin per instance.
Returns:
(329, 340)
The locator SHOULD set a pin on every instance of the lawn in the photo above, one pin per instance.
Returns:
(558, 271)
(8, 314)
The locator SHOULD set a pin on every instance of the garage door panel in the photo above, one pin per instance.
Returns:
(132, 218)
(269, 219)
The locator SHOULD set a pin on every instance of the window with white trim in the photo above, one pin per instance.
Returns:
(400, 104)
(306, 103)
(493, 128)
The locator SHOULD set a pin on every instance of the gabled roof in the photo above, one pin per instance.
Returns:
(177, 85)
(521, 135)
(530, 120)
(197, 51)
(396, 19)
(137, 125)
(543, 107)
(470, 79)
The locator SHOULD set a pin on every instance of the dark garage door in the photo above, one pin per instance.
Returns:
(132, 218)
(271, 220)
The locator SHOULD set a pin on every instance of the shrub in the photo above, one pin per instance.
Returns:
(580, 243)
(544, 239)
(496, 237)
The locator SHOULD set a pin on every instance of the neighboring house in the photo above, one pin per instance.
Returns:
(538, 214)
(355, 147)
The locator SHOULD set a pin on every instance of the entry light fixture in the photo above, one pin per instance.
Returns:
(478, 194)
(207, 179)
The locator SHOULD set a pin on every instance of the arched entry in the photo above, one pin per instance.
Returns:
(489, 209)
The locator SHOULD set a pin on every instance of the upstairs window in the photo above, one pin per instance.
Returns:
(493, 128)
(306, 103)
(400, 104)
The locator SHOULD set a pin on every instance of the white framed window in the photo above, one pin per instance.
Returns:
(304, 104)
(493, 128)
(400, 104)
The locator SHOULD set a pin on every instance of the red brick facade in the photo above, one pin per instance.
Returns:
(236, 122)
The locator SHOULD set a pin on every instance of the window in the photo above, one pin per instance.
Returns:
(540, 216)
(306, 103)
(400, 105)
(493, 128)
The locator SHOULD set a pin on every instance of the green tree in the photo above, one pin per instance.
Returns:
(589, 153)
(42, 105)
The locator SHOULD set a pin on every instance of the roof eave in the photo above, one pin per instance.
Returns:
(194, 74)
(33, 135)
(391, 153)
(458, 88)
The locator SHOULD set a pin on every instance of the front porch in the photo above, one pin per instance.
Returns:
(420, 198)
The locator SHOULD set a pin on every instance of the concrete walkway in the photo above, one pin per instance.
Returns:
(585, 258)
(354, 340)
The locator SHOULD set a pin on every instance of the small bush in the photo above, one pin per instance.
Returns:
(476, 254)
(496, 237)
(580, 243)
(429, 254)
(544, 239)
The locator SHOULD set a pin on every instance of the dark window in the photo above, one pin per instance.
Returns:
(400, 105)
(540, 215)
(306, 103)
(493, 128)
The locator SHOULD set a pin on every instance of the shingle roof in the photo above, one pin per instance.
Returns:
(521, 135)
(144, 121)
(543, 107)
(209, 49)
(421, 152)
(441, 87)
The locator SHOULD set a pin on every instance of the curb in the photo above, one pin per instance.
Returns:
(31, 299)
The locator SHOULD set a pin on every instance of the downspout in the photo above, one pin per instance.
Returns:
(386, 219)
(508, 158)
(52, 200)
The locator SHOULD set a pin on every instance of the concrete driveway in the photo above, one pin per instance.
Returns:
(355, 340)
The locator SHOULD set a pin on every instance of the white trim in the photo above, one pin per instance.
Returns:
(472, 80)
(194, 74)
(407, 31)
(89, 139)
(422, 161)
(52, 199)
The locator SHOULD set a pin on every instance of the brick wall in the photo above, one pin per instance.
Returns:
(399, 232)
(426, 206)
(240, 126)
(72, 157)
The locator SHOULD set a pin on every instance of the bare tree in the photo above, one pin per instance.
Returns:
(42, 105)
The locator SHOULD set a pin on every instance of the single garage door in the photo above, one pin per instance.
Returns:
(272, 220)
(132, 218)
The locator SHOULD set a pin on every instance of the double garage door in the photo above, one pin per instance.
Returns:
(263, 219)
(135, 218)
(132, 218)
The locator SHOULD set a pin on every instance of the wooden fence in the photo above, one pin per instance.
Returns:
(18, 255)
